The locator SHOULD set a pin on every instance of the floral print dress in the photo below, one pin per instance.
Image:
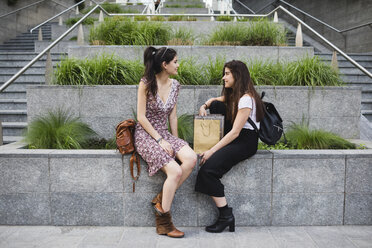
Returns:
(157, 112)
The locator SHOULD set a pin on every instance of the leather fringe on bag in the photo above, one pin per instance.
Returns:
(125, 145)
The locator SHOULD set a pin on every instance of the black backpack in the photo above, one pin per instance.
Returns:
(271, 126)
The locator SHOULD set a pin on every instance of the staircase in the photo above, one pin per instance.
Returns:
(15, 54)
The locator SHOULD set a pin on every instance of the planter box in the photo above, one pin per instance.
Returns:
(335, 109)
(201, 53)
(93, 187)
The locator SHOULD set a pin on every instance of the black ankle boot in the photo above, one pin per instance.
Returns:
(225, 219)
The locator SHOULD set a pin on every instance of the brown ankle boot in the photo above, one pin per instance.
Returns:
(164, 226)
(157, 198)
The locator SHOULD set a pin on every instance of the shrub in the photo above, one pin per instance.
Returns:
(185, 127)
(189, 73)
(116, 31)
(301, 137)
(175, 18)
(110, 8)
(257, 33)
(140, 18)
(87, 21)
(182, 36)
(58, 130)
(104, 70)
(157, 18)
(224, 18)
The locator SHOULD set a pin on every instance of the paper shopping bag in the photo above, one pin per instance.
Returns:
(208, 130)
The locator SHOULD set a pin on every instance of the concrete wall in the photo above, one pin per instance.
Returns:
(201, 53)
(14, 24)
(339, 14)
(93, 187)
(335, 109)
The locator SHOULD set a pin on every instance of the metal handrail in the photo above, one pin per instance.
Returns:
(17, 10)
(12, 79)
(364, 70)
(245, 6)
(41, 24)
(322, 22)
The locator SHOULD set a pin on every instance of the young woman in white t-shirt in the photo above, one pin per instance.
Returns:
(239, 101)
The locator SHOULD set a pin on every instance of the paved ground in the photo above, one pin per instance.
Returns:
(108, 237)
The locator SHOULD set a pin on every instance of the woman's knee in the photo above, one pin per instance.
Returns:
(174, 173)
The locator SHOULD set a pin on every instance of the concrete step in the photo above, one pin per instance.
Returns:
(18, 64)
(27, 56)
(11, 139)
(31, 70)
(367, 94)
(365, 85)
(30, 78)
(353, 70)
(13, 94)
(22, 86)
(16, 50)
(13, 115)
(367, 114)
(14, 128)
(359, 78)
(13, 104)
(22, 42)
(184, 11)
(355, 56)
(366, 104)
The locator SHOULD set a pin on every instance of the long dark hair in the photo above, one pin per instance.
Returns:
(242, 85)
(153, 59)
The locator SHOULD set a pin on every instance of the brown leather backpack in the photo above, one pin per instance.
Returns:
(125, 145)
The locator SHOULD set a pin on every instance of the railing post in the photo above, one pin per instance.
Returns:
(90, 3)
(235, 19)
(77, 10)
(80, 36)
(100, 18)
(48, 69)
(275, 17)
(334, 62)
(40, 36)
(1, 134)
(299, 41)
(60, 21)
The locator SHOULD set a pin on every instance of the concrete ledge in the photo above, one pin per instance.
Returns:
(201, 53)
(93, 187)
(102, 107)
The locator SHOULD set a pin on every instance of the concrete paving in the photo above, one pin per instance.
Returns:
(133, 237)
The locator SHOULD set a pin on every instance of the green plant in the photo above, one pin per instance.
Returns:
(263, 32)
(189, 73)
(110, 8)
(175, 18)
(116, 31)
(97, 143)
(104, 70)
(57, 130)
(301, 137)
(224, 18)
(213, 70)
(182, 36)
(185, 127)
(260, 32)
(87, 21)
(140, 18)
(277, 146)
(73, 38)
(157, 18)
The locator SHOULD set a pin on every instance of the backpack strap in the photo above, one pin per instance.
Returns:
(135, 158)
(253, 124)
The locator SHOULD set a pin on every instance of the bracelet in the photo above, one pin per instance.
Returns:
(206, 106)
(158, 140)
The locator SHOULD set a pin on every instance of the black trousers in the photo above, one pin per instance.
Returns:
(244, 146)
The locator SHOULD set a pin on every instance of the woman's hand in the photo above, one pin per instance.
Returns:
(166, 146)
(205, 156)
(202, 110)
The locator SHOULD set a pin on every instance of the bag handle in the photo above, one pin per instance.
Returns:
(135, 158)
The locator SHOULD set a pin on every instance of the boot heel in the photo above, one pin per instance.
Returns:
(232, 227)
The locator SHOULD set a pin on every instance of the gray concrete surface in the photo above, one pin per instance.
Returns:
(195, 237)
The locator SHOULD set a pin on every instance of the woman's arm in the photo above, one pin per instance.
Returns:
(203, 108)
(240, 120)
(173, 121)
(142, 119)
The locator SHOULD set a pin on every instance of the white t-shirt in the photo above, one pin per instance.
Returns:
(248, 102)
